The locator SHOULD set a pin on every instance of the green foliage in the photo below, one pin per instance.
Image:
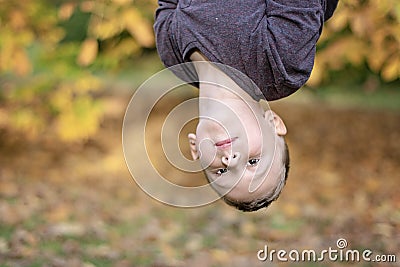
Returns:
(48, 54)
(361, 33)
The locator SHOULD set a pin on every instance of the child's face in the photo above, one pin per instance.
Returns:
(236, 145)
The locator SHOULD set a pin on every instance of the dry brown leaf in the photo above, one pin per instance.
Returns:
(8, 214)
(67, 229)
(17, 19)
(222, 257)
(23, 244)
(8, 189)
(122, 2)
(58, 214)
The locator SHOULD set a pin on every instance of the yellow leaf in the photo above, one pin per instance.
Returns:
(378, 38)
(168, 252)
(325, 35)
(22, 64)
(317, 73)
(17, 19)
(248, 228)
(138, 27)
(87, 6)
(375, 60)
(333, 54)
(86, 83)
(397, 11)
(220, 256)
(339, 20)
(356, 51)
(4, 118)
(391, 70)
(24, 38)
(346, 49)
(62, 97)
(396, 32)
(105, 28)
(80, 121)
(53, 37)
(372, 185)
(28, 122)
(382, 7)
(88, 52)
(123, 49)
(122, 2)
(291, 210)
(360, 24)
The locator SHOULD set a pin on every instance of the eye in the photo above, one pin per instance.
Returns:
(221, 171)
(253, 162)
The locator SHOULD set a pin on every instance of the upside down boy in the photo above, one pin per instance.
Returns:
(241, 52)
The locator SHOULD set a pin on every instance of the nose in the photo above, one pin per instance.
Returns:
(230, 159)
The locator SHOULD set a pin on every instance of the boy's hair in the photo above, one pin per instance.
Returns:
(266, 201)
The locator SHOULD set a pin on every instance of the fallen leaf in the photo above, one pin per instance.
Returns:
(67, 229)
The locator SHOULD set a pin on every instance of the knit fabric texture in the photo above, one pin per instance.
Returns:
(272, 42)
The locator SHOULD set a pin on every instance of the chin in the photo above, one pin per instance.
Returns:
(241, 196)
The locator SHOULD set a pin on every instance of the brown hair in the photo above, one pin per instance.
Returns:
(266, 201)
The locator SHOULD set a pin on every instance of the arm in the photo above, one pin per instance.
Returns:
(165, 7)
(164, 32)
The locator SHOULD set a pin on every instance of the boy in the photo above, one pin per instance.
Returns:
(241, 51)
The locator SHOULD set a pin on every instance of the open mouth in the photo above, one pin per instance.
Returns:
(225, 143)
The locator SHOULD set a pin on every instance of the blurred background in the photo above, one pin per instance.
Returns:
(67, 72)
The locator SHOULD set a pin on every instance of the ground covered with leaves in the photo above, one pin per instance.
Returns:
(77, 205)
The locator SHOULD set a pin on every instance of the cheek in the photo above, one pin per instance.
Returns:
(209, 127)
(254, 138)
(207, 152)
(261, 141)
(255, 146)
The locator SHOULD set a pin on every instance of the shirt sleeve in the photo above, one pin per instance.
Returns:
(166, 5)
(164, 33)
(292, 32)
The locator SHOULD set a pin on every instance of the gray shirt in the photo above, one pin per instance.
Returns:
(272, 42)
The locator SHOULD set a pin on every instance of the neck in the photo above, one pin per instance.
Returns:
(214, 83)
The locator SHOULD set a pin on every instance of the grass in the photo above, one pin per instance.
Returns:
(6, 231)
(387, 98)
(144, 252)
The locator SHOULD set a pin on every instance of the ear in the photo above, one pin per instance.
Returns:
(192, 145)
(278, 123)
